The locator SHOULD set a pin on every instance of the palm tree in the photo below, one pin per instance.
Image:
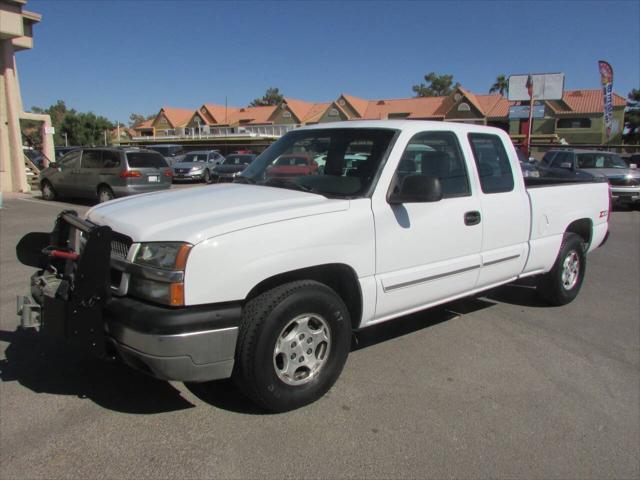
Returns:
(501, 85)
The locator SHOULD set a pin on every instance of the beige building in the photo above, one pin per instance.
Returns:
(16, 33)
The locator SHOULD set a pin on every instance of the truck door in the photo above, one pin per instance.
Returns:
(426, 252)
(505, 208)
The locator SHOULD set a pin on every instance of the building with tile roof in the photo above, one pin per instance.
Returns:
(577, 118)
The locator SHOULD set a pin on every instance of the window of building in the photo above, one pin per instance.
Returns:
(333, 112)
(436, 154)
(492, 163)
(286, 114)
(169, 132)
(464, 107)
(574, 123)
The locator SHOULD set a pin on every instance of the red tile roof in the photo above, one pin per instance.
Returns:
(316, 112)
(256, 115)
(586, 101)
(300, 108)
(145, 124)
(422, 107)
(177, 117)
(219, 113)
(359, 104)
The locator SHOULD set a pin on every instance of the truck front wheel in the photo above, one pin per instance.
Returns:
(562, 284)
(293, 343)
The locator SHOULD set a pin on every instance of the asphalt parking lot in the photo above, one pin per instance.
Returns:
(492, 387)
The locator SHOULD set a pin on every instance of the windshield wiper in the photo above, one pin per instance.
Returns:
(286, 183)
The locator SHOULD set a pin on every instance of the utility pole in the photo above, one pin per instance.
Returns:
(66, 140)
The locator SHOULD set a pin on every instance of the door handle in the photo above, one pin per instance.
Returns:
(472, 218)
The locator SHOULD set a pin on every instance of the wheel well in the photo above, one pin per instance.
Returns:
(100, 185)
(339, 277)
(582, 227)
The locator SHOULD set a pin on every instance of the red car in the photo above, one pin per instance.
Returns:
(292, 165)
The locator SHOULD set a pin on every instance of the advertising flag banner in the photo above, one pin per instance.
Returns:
(606, 78)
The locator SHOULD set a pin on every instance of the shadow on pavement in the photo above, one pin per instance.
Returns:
(225, 395)
(521, 293)
(414, 322)
(46, 367)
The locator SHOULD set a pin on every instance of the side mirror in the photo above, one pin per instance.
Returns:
(417, 189)
(54, 165)
(633, 166)
(566, 165)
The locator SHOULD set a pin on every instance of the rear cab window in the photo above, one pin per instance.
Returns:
(492, 162)
(145, 160)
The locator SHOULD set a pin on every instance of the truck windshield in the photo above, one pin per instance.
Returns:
(335, 162)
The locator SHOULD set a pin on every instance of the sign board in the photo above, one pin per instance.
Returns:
(522, 111)
(49, 130)
(546, 86)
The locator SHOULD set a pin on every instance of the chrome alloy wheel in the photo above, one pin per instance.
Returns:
(302, 349)
(570, 270)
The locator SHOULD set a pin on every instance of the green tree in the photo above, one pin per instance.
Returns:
(436, 86)
(86, 128)
(632, 118)
(137, 118)
(501, 85)
(271, 97)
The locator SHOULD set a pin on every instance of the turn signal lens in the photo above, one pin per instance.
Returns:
(130, 173)
(176, 298)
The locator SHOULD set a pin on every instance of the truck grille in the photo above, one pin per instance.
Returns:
(624, 182)
(120, 245)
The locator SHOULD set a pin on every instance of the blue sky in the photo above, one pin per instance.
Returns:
(118, 57)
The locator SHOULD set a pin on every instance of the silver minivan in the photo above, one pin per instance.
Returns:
(105, 173)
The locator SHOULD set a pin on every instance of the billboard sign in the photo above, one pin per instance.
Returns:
(522, 111)
(546, 86)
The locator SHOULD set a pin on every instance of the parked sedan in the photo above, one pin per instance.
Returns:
(197, 165)
(624, 180)
(172, 153)
(292, 165)
(231, 167)
(105, 173)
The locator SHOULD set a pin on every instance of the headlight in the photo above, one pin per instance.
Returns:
(197, 168)
(164, 255)
(161, 278)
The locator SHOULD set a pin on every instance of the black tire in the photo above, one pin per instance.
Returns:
(105, 194)
(559, 286)
(264, 319)
(48, 192)
(207, 176)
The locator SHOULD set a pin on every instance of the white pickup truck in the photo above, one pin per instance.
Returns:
(265, 279)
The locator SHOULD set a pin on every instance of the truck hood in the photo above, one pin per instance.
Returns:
(196, 214)
(616, 172)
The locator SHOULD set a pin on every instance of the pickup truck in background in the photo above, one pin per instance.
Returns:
(269, 289)
(576, 164)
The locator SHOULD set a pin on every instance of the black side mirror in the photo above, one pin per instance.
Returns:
(567, 165)
(417, 189)
(54, 165)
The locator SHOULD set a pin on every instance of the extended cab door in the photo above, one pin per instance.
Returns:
(506, 214)
(426, 252)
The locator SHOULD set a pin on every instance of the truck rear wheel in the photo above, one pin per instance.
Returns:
(293, 343)
(562, 284)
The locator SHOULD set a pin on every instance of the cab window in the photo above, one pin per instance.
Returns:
(436, 154)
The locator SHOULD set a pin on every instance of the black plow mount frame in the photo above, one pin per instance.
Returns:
(76, 254)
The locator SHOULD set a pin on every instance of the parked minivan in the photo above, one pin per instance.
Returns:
(105, 173)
